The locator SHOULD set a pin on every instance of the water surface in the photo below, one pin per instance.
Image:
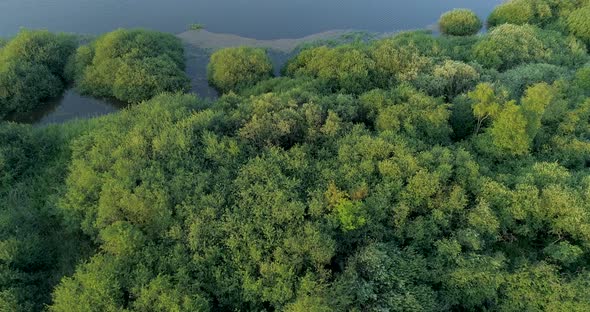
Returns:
(68, 106)
(261, 19)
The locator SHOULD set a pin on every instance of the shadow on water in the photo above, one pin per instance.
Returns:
(196, 68)
(71, 105)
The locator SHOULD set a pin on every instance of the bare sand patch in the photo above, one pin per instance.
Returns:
(208, 40)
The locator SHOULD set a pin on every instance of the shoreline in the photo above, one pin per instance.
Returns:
(205, 39)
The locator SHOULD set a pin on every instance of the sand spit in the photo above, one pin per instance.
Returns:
(207, 40)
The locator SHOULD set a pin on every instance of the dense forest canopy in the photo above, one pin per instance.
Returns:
(411, 173)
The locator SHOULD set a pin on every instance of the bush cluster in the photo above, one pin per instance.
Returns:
(32, 69)
(460, 22)
(130, 65)
(234, 69)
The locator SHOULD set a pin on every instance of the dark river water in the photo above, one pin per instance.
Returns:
(260, 19)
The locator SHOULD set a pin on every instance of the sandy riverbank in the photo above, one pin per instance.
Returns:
(207, 40)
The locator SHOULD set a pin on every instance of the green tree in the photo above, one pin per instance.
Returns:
(518, 79)
(346, 68)
(536, 99)
(32, 69)
(381, 277)
(94, 287)
(24, 85)
(487, 104)
(508, 131)
(582, 79)
(578, 24)
(130, 65)
(137, 80)
(521, 12)
(233, 69)
(449, 79)
(395, 64)
(510, 45)
(40, 47)
(459, 22)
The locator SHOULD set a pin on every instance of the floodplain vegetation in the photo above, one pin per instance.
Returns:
(411, 173)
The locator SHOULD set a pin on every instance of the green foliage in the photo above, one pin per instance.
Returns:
(520, 12)
(417, 116)
(32, 69)
(564, 51)
(233, 69)
(40, 47)
(536, 99)
(37, 252)
(24, 85)
(92, 288)
(582, 79)
(508, 45)
(508, 131)
(382, 278)
(462, 119)
(348, 212)
(412, 173)
(518, 79)
(422, 41)
(397, 64)
(487, 103)
(345, 68)
(196, 26)
(130, 65)
(459, 22)
(578, 24)
(449, 79)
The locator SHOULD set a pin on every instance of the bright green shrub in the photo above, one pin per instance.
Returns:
(151, 75)
(344, 68)
(74, 70)
(510, 45)
(578, 24)
(32, 69)
(233, 69)
(517, 12)
(459, 22)
(520, 12)
(394, 64)
(40, 47)
(130, 65)
(422, 41)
